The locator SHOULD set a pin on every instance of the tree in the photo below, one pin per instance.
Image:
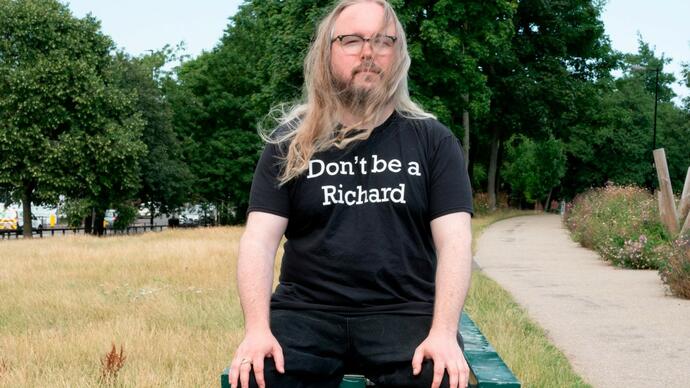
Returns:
(533, 168)
(448, 41)
(613, 141)
(66, 127)
(221, 96)
(539, 85)
(166, 180)
(258, 65)
(686, 80)
(514, 66)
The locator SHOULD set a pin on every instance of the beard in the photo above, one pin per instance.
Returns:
(356, 98)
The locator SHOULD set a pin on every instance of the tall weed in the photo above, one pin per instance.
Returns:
(675, 271)
(481, 206)
(111, 364)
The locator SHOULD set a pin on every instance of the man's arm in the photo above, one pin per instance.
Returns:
(452, 235)
(256, 259)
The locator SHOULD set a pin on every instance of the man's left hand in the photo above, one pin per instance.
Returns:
(444, 351)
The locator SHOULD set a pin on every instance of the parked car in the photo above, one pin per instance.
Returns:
(8, 219)
(109, 218)
(191, 215)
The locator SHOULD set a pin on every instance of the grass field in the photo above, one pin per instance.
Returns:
(169, 301)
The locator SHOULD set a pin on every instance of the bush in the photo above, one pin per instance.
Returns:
(675, 271)
(480, 202)
(126, 214)
(621, 223)
(75, 211)
(479, 175)
(533, 168)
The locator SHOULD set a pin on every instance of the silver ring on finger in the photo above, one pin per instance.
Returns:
(245, 361)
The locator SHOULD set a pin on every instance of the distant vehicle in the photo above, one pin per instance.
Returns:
(191, 215)
(8, 219)
(143, 211)
(12, 216)
(109, 218)
(36, 223)
(11, 219)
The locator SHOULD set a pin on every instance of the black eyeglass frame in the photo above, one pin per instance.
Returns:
(365, 40)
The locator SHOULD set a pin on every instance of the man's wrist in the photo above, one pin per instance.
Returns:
(443, 330)
(257, 328)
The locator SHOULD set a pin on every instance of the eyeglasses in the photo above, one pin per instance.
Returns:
(353, 44)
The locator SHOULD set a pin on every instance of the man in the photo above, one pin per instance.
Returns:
(373, 197)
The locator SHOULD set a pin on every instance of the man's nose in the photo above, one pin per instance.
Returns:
(367, 50)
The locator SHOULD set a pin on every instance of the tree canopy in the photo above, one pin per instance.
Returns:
(526, 84)
(66, 128)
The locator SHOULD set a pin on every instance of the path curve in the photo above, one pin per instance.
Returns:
(618, 327)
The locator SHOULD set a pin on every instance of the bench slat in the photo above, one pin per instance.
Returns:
(487, 368)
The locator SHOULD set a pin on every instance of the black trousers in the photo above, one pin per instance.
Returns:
(320, 347)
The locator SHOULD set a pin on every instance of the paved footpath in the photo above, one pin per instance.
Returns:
(618, 327)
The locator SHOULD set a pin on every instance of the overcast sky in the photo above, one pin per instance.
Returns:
(141, 25)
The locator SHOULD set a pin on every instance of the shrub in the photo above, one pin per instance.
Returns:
(480, 202)
(621, 223)
(126, 214)
(675, 271)
(479, 175)
(533, 168)
(76, 210)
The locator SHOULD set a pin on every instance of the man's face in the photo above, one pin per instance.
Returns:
(364, 69)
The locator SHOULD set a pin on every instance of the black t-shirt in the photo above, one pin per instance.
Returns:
(358, 236)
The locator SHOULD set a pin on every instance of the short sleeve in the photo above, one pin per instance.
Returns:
(449, 187)
(266, 194)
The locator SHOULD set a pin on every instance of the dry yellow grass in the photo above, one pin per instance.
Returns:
(168, 298)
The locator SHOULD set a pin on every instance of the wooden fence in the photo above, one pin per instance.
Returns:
(16, 233)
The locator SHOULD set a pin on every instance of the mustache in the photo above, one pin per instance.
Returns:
(367, 66)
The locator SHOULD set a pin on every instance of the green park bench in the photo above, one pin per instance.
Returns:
(487, 369)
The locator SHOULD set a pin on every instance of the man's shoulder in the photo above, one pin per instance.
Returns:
(279, 138)
(284, 130)
(427, 127)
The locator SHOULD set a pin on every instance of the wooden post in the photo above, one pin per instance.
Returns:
(662, 208)
(666, 201)
(684, 207)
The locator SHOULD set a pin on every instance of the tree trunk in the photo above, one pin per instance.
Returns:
(466, 126)
(88, 222)
(493, 170)
(547, 205)
(466, 113)
(27, 190)
(152, 213)
(98, 218)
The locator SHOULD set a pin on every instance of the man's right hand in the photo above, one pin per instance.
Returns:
(255, 347)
